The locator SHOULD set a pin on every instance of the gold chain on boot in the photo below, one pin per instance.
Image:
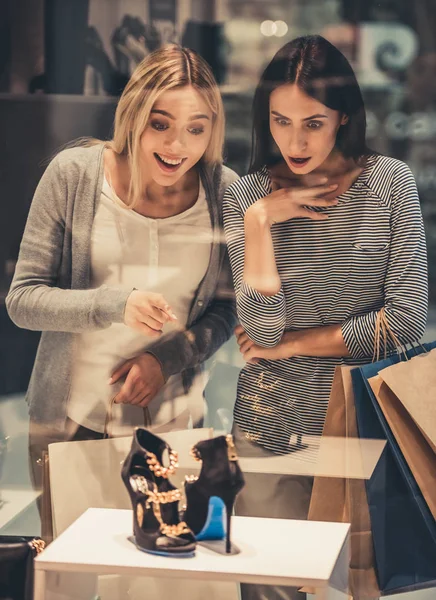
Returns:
(231, 450)
(158, 469)
(155, 499)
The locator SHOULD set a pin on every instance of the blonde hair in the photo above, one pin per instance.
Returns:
(164, 69)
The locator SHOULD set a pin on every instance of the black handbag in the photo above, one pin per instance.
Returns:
(16, 566)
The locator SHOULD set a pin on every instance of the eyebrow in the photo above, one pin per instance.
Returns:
(317, 116)
(170, 116)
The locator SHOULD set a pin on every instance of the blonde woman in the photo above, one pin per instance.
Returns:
(121, 263)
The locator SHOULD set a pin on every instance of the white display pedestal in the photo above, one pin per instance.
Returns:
(271, 551)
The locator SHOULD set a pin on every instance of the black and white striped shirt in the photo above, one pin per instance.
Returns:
(369, 253)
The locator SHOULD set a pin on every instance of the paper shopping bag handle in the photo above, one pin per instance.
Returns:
(382, 328)
(107, 433)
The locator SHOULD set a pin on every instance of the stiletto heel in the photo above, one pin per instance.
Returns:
(157, 528)
(211, 496)
(229, 512)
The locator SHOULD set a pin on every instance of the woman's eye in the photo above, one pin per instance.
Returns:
(281, 122)
(196, 130)
(159, 126)
(314, 124)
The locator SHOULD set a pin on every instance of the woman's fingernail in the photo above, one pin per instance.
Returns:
(170, 312)
(110, 381)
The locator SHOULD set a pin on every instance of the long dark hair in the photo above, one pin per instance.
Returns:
(323, 72)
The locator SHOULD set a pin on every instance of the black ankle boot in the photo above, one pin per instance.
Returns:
(156, 524)
(210, 496)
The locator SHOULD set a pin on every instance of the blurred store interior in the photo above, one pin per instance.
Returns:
(63, 63)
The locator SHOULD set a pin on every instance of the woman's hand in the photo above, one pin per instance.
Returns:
(252, 352)
(324, 341)
(286, 203)
(147, 312)
(144, 380)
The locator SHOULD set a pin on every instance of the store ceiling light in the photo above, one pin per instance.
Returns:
(268, 28)
(281, 28)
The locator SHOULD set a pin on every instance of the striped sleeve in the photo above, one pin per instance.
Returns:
(406, 285)
(262, 317)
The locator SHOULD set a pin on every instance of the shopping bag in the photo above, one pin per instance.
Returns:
(416, 449)
(344, 500)
(414, 383)
(403, 528)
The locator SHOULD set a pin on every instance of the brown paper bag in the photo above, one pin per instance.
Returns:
(414, 383)
(412, 443)
(344, 500)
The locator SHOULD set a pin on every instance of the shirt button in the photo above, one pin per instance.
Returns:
(200, 303)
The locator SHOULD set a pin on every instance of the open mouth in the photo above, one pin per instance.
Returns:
(167, 164)
(298, 162)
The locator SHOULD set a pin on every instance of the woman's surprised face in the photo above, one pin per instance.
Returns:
(177, 134)
(304, 129)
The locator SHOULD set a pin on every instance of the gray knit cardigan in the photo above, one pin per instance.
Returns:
(50, 291)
